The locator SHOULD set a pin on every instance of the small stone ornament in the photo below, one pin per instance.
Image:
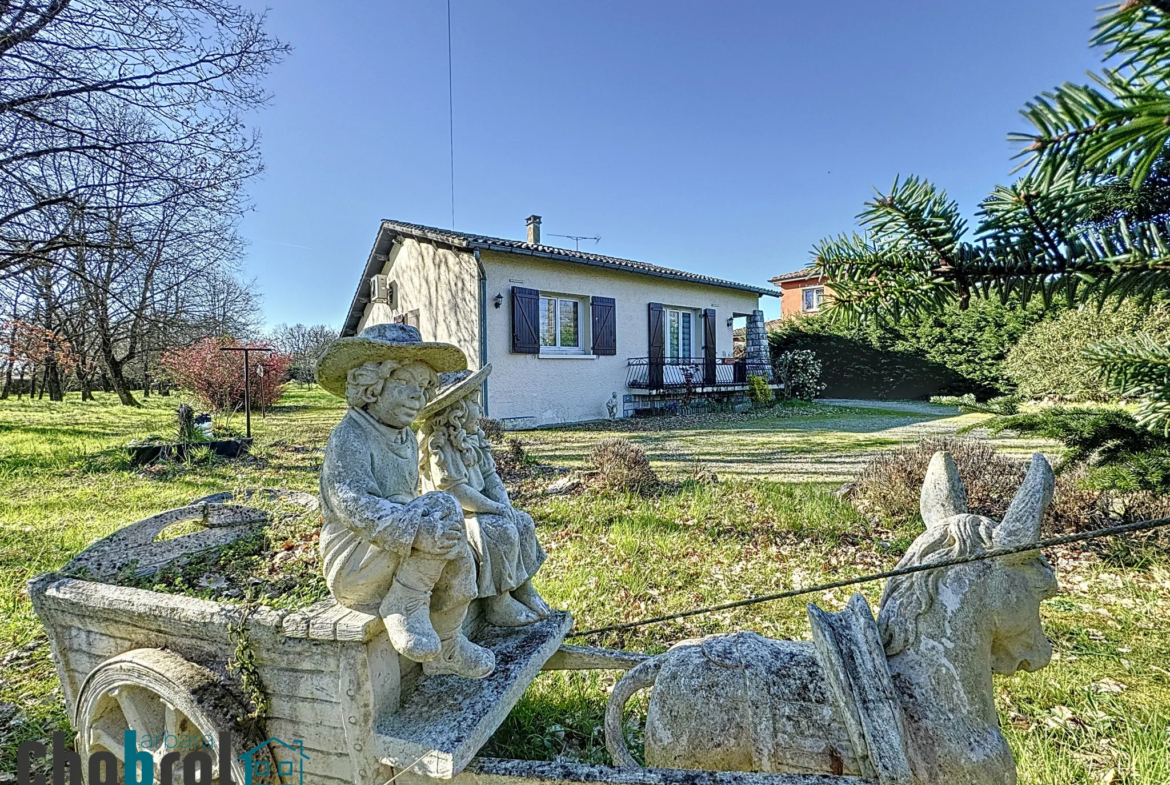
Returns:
(905, 699)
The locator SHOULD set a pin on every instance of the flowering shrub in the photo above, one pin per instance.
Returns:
(800, 373)
(216, 377)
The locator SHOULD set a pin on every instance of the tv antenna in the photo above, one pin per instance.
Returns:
(577, 240)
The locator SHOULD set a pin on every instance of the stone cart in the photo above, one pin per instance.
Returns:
(339, 704)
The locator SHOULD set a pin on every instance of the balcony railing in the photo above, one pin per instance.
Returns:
(683, 373)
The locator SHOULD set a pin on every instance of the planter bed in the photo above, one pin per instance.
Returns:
(142, 454)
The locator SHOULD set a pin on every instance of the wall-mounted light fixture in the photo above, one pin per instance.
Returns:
(498, 300)
(730, 321)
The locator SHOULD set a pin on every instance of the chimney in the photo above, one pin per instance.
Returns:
(533, 229)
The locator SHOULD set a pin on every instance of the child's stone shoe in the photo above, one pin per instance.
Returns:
(461, 657)
(407, 614)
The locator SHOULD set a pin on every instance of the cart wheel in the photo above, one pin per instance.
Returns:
(155, 692)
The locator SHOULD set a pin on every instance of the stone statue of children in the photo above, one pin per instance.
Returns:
(456, 457)
(385, 549)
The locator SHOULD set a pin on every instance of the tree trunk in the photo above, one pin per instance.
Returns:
(105, 382)
(7, 383)
(20, 384)
(117, 379)
(53, 381)
(44, 384)
(83, 385)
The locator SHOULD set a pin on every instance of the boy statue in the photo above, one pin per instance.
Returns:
(385, 549)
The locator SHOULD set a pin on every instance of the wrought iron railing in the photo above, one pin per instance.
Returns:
(682, 373)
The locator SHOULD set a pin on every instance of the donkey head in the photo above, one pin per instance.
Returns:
(1008, 589)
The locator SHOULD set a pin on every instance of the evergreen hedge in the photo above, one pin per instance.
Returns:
(952, 352)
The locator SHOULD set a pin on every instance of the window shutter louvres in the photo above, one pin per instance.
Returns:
(604, 325)
(709, 346)
(657, 346)
(525, 320)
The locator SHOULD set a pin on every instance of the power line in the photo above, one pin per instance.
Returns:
(1066, 539)
(451, 112)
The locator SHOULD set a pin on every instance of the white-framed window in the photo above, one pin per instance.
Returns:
(678, 333)
(562, 324)
(812, 298)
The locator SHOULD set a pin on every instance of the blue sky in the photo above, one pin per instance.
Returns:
(719, 137)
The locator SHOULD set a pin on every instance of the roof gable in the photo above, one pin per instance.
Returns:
(482, 242)
(389, 230)
(796, 275)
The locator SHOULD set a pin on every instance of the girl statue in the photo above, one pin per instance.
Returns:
(455, 457)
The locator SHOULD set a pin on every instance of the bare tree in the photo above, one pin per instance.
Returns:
(304, 344)
(71, 74)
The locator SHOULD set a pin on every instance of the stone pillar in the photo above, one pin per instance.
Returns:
(759, 361)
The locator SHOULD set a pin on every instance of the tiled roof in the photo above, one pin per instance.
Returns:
(796, 275)
(391, 229)
(481, 242)
(769, 326)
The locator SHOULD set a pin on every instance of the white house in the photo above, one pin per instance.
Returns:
(564, 330)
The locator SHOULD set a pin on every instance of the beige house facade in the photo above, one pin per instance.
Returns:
(566, 332)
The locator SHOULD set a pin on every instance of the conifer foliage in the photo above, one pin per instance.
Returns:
(1087, 221)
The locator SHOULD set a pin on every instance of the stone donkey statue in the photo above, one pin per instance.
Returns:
(905, 700)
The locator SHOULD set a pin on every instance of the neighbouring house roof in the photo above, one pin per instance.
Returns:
(796, 275)
(740, 333)
(476, 242)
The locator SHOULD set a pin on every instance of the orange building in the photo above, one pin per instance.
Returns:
(801, 292)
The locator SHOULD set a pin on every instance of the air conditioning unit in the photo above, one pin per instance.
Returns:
(382, 290)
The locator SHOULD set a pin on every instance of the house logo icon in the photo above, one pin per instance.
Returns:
(259, 772)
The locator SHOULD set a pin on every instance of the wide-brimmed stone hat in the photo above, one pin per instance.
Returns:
(456, 387)
(378, 342)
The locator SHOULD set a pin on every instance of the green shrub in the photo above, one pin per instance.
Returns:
(953, 352)
(800, 373)
(1118, 453)
(759, 392)
(852, 366)
(1050, 359)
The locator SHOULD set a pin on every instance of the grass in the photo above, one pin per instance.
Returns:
(65, 482)
(794, 441)
(1099, 713)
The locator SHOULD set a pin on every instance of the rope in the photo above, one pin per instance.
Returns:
(1066, 539)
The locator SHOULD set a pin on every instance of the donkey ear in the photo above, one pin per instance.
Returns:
(1021, 523)
(942, 491)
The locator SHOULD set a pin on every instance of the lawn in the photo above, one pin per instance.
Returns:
(1099, 713)
(797, 442)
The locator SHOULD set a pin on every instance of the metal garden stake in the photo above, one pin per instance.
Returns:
(247, 381)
